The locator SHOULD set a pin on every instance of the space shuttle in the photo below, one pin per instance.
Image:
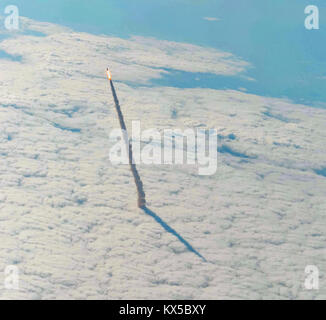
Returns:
(108, 74)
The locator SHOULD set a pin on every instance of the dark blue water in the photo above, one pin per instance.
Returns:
(302, 93)
(5, 55)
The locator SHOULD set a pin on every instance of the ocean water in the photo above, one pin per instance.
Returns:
(286, 59)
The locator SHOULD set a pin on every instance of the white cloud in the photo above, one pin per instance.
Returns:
(211, 19)
(69, 219)
(138, 59)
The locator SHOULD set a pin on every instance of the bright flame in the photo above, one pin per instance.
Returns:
(108, 74)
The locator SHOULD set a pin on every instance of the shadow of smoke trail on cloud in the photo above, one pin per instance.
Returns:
(172, 231)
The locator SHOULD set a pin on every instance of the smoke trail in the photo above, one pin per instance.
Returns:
(138, 182)
(133, 168)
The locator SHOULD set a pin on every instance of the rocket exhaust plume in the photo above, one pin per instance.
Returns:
(138, 182)
(133, 168)
(108, 74)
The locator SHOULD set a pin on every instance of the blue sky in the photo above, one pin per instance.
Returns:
(287, 60)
